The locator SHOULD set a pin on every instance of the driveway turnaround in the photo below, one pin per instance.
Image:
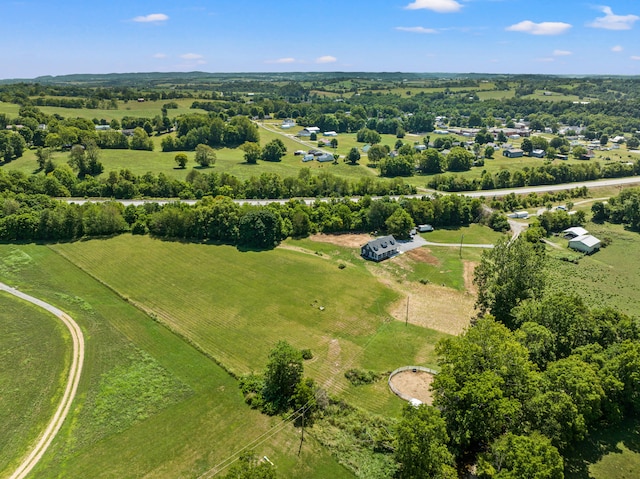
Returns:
(75, 370)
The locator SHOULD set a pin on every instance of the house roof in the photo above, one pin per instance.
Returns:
(515, 150)
(586, 240)
(382, 244)
(575, 231)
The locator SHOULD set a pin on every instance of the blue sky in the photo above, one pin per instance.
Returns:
(486, 36)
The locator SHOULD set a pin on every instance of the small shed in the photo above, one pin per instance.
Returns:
(574, 232)
(425, 228)
(585, 243)
(538, 153)
(380, 248)
(325, 158)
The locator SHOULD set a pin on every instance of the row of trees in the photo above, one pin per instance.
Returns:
(62, 181)
(622, 209)
(546, 174)
(38, 217)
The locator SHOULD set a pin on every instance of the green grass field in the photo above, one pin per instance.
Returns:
(35, 352)
(472, 234)
(221, 299)
(192, 417)
(606, 278)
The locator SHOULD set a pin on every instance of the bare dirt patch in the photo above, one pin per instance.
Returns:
(347, 240)
(469, 268)
(416, 385)
(423, 255)
(300, 250)
(435, 307)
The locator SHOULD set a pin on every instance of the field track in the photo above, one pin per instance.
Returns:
(75, 370)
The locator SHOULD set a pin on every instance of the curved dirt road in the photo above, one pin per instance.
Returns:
(75, 370)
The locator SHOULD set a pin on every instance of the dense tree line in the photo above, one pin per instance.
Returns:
(622, 209)
(547, 174)
(38, 217)
(526, 383)
(63, 181)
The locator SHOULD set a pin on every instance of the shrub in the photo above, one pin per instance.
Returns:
(358, 377)
(306, 354)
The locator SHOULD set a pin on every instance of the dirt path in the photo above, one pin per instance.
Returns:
(69, 395)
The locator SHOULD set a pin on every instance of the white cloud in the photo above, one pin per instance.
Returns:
(562, 53)
(635, 57)
(191, 56)
(326, 59)
(440, 6)
(544, 28)
(610, 21)
(159, 55)
(617, 48)
(152, 18)
(282, 60)
(417, 29)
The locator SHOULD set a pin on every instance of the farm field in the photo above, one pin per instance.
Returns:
(472, 234)
(146, 109)
(35, 352)
(148, 403)
(222, 299)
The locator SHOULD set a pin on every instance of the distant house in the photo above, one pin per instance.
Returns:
(519, 214)
(513, 153)
(588, 155)
(420, 147)
(288, 123)
(366, 148)
(102, 127)
(425, 228)
(585, 243)
(329, 133)
(538, 153)
(380, 248)
(140, 100)
(574, 232)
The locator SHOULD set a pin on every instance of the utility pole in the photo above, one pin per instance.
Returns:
(461, 238)
(302, 435)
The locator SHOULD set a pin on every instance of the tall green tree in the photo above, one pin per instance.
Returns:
(509, 273)
(205, 155)
(274, 150)
(354, 156)
(252, 152)
(282, 376)
(516, 457)
(421, 450)
(485, 378)
(400, 224)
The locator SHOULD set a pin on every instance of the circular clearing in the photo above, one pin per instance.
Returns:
(412, 383)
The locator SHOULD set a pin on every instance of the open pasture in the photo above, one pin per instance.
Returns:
(34, 357)
(235, 305)
(148, 404)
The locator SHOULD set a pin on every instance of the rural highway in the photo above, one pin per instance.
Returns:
(309, 201)
(75, 370)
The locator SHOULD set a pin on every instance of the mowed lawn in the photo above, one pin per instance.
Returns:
(148, 405)
(35, 352)
(236, 305)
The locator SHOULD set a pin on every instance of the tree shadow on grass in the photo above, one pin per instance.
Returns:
(598, 445)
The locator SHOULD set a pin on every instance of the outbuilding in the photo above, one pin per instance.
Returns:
(586, 243)
(380, 248)
(574, 232)
(513, 153)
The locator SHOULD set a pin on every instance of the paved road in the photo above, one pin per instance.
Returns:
(309, 201)
(70, 391)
